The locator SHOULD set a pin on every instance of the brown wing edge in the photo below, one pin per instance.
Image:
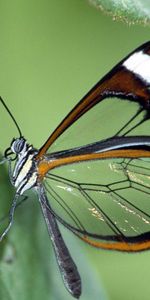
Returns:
(129, 245)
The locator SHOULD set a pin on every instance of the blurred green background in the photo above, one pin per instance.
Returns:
(51, 54)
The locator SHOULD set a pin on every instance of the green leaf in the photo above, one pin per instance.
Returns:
(127, 10)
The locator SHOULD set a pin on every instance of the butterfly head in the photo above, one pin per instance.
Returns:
(17, 146)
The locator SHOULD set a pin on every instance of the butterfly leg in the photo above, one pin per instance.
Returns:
(10, 172)
(11, 216)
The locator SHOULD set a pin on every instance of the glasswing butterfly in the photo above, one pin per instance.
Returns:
(99, 187)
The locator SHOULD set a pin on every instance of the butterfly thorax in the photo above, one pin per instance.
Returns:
(24, 175)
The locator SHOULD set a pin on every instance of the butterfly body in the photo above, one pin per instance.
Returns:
(25, 173)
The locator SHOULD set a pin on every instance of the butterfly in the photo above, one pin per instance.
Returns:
(98, 187)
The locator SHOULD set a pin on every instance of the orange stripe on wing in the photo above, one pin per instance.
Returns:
(120, 246)
(47, 165)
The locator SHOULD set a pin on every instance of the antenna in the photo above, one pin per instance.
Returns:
(12, 117)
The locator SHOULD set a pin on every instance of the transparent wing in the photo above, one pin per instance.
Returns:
(105, 202)
(112, 117)
(103, 197)
(93, 119)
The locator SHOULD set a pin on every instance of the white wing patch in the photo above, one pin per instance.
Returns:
(139, 63)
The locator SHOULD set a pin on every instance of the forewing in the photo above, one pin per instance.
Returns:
(93, 119)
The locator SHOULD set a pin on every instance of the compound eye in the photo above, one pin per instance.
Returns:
(17, 145)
